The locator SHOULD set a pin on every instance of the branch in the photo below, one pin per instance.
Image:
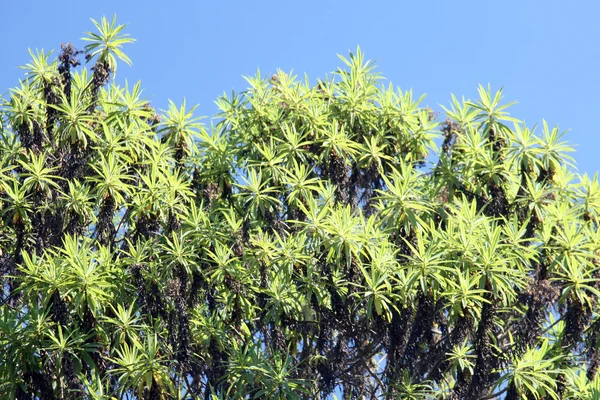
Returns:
(494, 395)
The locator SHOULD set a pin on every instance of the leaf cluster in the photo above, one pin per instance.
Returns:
(313, 242)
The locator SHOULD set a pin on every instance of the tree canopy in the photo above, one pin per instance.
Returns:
(327, 238)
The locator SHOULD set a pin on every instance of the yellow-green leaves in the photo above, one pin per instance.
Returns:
(403, 202)
(299, 247)
(180, 127)
(107, 43)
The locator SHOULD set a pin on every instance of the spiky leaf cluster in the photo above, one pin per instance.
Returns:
(313, 243)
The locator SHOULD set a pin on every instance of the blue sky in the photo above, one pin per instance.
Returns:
(544, 53)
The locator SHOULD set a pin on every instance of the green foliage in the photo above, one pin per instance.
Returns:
(314, 243)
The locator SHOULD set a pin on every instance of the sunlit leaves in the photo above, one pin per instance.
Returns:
(377, 291)
(357, 85)
(403, 202)
(67, 342)
(461, 111)
(464, 294)
(337, 143)
(140, 365)
(80, 275)
(426, 264)
(178, 252)
(281, 299)
(343, 239)
(554, 152)
(537, 195)
(107, 43)
(534, 374)
(257, 195)
(24, 106)
(130, 105)
(298, 248)
(180, 127)
(224, 262)
(293, 145)
(462, 358)
(409, 389)
(491, 112)
(79, 201)
(111, 179)
(277, 379)
(77, 122)
(524, 149)
(41, 70)
(373, 154)
(300, 183)
(127, 323)
(37, 175)
(89, 277)
(589, 192)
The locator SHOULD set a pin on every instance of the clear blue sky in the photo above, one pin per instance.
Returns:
(545, 53)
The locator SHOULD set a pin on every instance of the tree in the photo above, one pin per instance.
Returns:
(314, 243)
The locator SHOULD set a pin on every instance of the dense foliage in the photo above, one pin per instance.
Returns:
(309, 245)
